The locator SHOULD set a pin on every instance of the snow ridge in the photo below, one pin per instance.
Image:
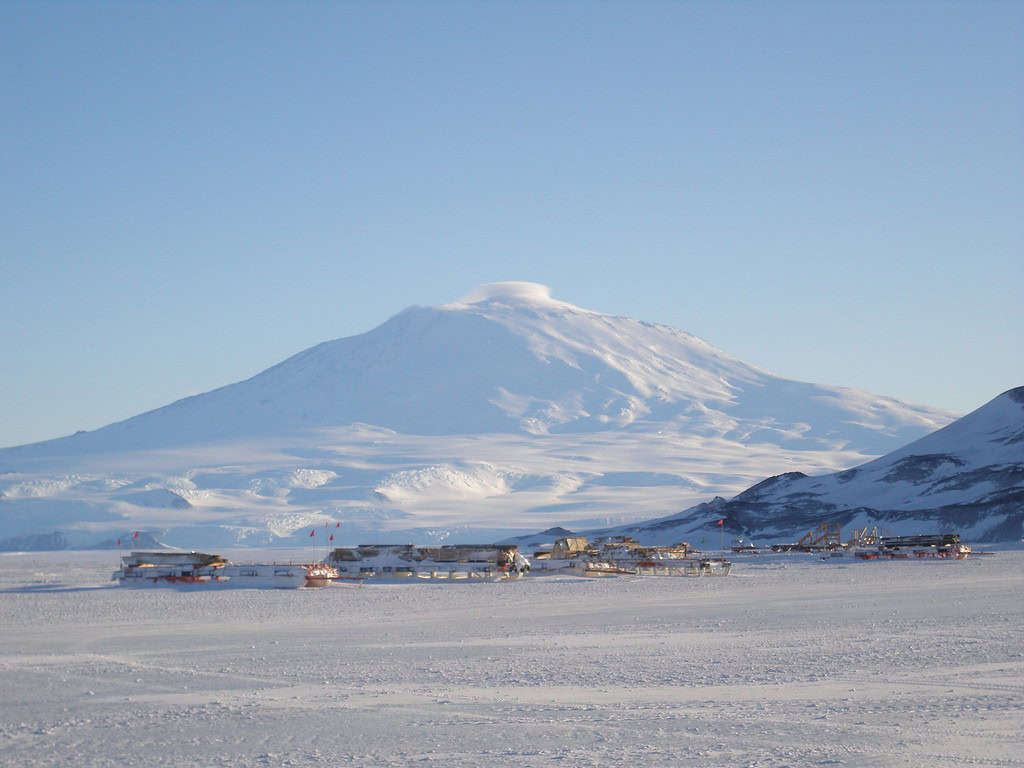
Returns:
(967, 477)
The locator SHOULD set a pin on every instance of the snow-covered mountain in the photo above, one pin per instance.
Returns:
(505, 409)
(967, 477)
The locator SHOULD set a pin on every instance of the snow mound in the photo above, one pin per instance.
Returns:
(442, 481)
(156, 498)
(39, 488)
(285, 525)
(311, 478)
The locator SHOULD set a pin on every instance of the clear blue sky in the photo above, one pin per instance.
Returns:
(190, 193)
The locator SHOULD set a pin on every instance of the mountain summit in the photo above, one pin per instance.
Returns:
(510, 358)
(505, 408)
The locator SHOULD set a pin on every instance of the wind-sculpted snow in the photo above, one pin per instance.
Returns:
(504, 410)
(473, 481)
(37, 487)
(157, 498)
(790, 661)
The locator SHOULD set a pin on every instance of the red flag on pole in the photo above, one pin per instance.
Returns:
(313, 532)
(337, 525)
(331, 538)
(135, 535)
(720, 522)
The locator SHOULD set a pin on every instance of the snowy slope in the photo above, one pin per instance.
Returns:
(508, 358)
(502, 411)
(967, 477)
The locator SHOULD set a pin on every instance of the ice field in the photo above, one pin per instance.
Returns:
(790, 661)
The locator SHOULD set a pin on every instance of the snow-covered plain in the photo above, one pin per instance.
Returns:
(790, 661)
